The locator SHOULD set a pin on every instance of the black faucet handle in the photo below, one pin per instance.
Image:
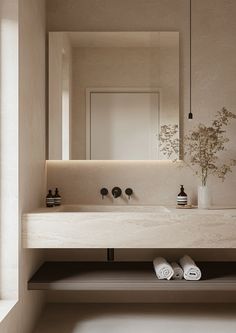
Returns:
(116, 192)
(129, 192)
(104, 192)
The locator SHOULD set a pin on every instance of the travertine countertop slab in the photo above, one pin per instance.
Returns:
(129, 227)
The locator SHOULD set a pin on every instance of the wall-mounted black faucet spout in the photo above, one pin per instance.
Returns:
(129, 192)
(116, 192)
(104, 192)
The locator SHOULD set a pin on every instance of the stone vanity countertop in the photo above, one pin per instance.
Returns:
(129, 227)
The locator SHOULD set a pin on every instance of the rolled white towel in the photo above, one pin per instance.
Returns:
(191, 270)
(178, 272)
(162, 268)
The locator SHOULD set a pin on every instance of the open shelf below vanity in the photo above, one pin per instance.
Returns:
(108, 276)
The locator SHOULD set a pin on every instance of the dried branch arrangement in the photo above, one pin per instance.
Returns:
(201, 147)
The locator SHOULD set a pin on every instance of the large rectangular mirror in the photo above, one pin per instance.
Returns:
(110, 93)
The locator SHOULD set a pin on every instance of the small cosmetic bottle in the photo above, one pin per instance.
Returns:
(57, 198)
(49, 199)
(182, 198)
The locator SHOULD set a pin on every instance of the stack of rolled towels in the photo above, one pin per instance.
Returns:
(186, 269)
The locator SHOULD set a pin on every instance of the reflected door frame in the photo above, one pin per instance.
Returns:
(89, 91)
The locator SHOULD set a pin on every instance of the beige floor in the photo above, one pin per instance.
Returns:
(138, 318)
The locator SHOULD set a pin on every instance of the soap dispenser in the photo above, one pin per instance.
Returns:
(49, 199)
(57, 198)
(182, 198)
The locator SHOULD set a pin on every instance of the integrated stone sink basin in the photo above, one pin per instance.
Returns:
(113, 209)
(128, 226)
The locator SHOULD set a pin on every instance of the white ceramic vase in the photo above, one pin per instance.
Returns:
(203, 197)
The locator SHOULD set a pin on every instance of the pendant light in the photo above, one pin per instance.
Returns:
(190, 115)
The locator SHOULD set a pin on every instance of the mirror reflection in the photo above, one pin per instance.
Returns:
(110, 93)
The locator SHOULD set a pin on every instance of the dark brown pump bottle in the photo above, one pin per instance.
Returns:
(49, 199)
(182, 198)
(57, 198)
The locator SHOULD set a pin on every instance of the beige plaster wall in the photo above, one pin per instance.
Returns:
(30, 16)
(214, 72)
(32, 44)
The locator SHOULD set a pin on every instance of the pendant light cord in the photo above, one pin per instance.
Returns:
(190, 115)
